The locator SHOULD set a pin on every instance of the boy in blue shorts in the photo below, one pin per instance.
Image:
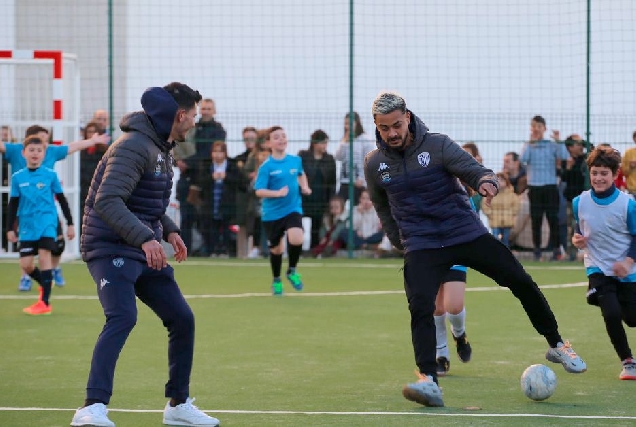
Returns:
(53, 154)
(280, 182)
(32, 201)
(606, 231)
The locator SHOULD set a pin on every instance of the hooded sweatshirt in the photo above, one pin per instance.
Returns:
(417, 194)
(130, 190)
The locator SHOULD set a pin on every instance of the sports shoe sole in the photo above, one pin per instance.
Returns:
(429, 394)
(180, 423)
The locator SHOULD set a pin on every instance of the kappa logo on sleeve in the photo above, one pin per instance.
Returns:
(159, 166)
(383, 171)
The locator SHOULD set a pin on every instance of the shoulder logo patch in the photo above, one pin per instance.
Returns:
(424, 159)
(384, 172)
(159, 164)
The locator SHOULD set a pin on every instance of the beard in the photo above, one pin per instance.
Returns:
(402, 142)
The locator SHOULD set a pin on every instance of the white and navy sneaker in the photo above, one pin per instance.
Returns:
(186, 414)
(425, 391)
(564, 354)
(92, 415)
(629, 370)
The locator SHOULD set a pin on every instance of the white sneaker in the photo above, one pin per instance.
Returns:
(425, 391)
(186, 414)
(254, 253)
(92, 415)
(566, 356)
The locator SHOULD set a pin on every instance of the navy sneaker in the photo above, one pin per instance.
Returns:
(464, 351)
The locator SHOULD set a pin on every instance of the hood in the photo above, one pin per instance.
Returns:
(416, 127)
(139, 121)
(161, 108)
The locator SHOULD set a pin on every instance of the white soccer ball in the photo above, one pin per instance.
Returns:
(538, 382)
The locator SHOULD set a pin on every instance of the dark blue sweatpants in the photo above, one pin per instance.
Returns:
(118, 281)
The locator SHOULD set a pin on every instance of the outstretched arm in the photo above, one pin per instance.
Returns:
(464, 166)
(85, 143)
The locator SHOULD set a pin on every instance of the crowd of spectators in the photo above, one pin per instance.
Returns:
(220, 214)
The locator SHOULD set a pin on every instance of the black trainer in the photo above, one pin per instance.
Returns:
(464, 351)
(443, 366)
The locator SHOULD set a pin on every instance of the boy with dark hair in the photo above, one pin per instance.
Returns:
(606, 222)
(124, 222)
(32, 201)
(280, 182)
(542, 158)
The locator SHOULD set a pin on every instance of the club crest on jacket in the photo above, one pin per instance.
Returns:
(424, 159)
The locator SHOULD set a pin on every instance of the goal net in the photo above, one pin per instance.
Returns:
(41, 87)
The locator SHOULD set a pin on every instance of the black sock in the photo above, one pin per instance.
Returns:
(553, 339)
(276, 261)
(294, 252)
(36, 275)
(47, 279)
(174, 402)
(89, 402)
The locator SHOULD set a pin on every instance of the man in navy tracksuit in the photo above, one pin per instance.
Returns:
(124, 222)
(412, 178)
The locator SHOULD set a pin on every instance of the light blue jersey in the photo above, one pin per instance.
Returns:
(54, 153)
(274, 175)
(37, 213)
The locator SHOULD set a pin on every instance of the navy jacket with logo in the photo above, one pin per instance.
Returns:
(417, 194)
(131, 186)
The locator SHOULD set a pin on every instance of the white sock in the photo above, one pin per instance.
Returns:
(458, 323)
(441, 335)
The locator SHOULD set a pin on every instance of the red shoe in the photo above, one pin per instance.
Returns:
(37, 309)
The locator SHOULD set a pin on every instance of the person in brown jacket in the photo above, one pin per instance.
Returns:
(502, 211)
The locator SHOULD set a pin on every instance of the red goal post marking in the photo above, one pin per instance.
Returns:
(58, 84)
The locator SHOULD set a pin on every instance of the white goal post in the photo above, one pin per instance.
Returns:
(42, 87)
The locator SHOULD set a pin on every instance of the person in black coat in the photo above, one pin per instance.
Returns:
(320, 168)
(218, 183)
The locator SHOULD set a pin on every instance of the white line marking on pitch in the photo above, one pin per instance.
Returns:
(424, 414)
(313, 264)
(300, 294)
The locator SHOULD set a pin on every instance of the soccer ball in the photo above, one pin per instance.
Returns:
(538, 382)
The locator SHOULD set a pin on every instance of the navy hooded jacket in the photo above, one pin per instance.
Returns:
(131, 186)
(417, 194)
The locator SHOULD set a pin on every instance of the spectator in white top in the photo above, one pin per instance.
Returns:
(362, 144)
